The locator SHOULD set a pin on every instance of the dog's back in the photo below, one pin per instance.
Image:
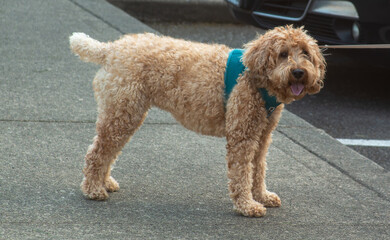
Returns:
(182, 77)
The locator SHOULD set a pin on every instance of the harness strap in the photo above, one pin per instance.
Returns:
(234, 68)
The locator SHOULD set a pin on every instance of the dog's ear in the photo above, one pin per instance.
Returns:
(322, 66)
(320, 63)
(257, 57)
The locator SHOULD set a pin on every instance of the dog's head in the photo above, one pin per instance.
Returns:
(287, 62)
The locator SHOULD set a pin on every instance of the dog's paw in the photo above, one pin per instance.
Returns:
(111, 185)
(93, 192)
(251, 209)
(269, 199)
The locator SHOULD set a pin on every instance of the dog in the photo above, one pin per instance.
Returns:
(187, 79)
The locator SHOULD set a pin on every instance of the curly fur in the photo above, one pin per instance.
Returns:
(186, 78)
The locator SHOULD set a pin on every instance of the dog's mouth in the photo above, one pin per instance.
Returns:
(297, 88)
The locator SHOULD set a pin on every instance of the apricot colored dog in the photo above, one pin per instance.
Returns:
(187, 79)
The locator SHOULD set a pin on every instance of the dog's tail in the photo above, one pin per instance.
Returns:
(89, 49)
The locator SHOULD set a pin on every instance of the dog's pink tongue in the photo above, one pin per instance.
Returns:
(297, 88)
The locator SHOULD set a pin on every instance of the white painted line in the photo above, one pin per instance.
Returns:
(364, 142)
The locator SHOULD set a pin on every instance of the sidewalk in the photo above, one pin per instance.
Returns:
(173, 181)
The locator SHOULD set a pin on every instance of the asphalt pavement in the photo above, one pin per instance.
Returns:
(173, 182)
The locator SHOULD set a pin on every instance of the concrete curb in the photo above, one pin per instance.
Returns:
(112, 16)
(350, 163)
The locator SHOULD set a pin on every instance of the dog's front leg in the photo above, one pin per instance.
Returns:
(240, 173)
(245, 122)
(259, 190)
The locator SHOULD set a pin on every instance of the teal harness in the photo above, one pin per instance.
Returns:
(234, 68)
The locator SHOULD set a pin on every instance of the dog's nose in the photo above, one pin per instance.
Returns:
(298, 73)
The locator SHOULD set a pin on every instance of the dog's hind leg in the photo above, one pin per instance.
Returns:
(119, 118)
(259, 190)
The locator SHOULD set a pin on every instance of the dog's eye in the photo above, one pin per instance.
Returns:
(283, 54)
(306, 53)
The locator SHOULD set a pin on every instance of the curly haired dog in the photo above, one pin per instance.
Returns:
(187, 79)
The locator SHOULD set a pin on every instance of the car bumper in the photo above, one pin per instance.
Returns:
(330, 22)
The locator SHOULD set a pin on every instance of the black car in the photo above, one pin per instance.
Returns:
(329, 21)
(332, 22)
